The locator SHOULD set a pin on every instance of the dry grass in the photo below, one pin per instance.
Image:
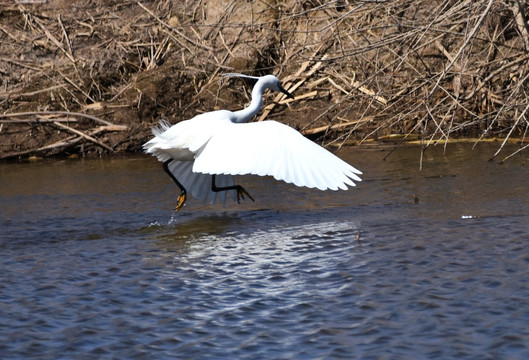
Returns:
(361, 70)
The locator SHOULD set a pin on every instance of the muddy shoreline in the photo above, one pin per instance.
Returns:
(91, 78)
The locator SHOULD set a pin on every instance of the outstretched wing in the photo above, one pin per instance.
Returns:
(271, 148)
(182, 140)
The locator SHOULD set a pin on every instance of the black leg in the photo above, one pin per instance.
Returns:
(182, 197)
(240, 190)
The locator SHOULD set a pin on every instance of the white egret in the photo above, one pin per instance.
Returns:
(202, 154)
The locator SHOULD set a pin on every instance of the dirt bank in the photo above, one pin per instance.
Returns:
(91, 77)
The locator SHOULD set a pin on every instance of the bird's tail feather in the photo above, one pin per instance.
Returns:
(162, 126)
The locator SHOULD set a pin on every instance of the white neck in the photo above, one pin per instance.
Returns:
(246, 114)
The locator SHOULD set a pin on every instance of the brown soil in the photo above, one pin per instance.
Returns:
(360, 71)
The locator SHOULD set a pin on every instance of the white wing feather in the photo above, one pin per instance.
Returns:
(181, 141)
(271, 148)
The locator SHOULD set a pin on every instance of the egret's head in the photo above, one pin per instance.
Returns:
(268, 82)
(273, 83)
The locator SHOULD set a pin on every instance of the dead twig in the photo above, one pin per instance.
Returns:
(324, 129)
(54, 40)
(34, 113)
(191, 41)
(82, 134)
(63, 143)
(11, 95)
(39, 120)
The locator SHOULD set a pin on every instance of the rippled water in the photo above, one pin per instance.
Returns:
(430, 264)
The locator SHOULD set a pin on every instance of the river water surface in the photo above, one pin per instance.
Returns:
(408, 265)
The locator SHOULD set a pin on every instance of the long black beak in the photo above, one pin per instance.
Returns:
(285, 92)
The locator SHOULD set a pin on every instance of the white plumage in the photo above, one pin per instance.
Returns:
(220, 143)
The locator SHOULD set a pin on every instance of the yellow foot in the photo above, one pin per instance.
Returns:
(180, 202)
(240, 194)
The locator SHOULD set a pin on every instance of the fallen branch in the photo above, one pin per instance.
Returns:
(80, 133)
(311, 94)
(11, 95)
(360, 88)
(323, 129)
(33, 113)
(36, 121)
(64, 143)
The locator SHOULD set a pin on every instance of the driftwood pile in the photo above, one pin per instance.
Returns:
(78, 76)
